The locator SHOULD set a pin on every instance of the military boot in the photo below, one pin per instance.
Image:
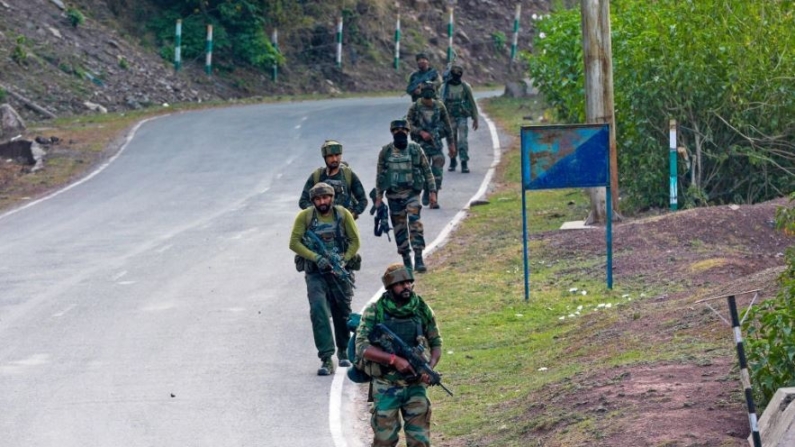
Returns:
(407, 260)
(419, 266)
(342, 358)
(453, 164)
(327, 368)
(464, 167)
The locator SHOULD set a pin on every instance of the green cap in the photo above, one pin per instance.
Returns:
(330, 147)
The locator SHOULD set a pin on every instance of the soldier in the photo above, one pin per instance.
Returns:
(457, 97)
(430, 123)
(403, 172)
(396, 389)
(326, 240)
(424, 73)
(348, 189)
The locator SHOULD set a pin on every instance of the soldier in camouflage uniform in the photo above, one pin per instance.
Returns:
(396, 389)
(424, 73)
(348, 189)
(461, 105)
(401, 174)
(329, 295)
(430, 122)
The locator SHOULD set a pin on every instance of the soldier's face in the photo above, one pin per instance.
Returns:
(323, 203)
(333, 161)
(402, 290)
(423, 64)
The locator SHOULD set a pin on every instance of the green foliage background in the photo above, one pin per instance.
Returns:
(721, 68)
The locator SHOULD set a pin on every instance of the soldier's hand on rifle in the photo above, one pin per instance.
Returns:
(403, 366)
(322, 263)
(426, 135)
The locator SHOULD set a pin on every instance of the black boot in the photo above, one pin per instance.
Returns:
(453, 164)
(407, 260)
(419, 266)
(464, 167)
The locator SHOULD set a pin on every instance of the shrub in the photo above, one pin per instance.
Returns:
(3, 95)
(76, 18)
(20, 52)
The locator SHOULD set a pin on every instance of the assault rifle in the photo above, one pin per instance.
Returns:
(390, 342)
(428, 76)
(381, 219)
(334, 259)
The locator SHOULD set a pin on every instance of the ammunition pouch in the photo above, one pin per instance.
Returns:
(355, 264)
(300, 263)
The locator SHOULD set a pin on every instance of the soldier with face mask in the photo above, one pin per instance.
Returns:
(348, 189)
(401, 174)
(430, 122)
(397, 390)
(329, 295)
(457, 97)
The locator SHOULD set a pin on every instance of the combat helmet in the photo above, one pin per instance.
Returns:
(457, 69)
(330, 147)
(396, 273)
(321, 189)
(399, 124)
(425, 86)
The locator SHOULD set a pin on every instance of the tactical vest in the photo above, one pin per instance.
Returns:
(407, 329)
(429, 121)
(342, 188)
(332, 234)
(455, 99)
(400, 170)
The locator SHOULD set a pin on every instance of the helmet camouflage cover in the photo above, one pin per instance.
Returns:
(330, 147)
(457, 69)
(427, 86)
(399, 124)
(396, 273)
(321, 189)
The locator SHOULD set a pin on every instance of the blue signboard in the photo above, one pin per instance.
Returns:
(566, 156)
(570, 156)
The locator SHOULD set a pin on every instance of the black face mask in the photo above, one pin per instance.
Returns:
(401, 140)
(455, 79)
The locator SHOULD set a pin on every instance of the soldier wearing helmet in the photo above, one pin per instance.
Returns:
(334, 240)
(402, 173)
(348, 189)
(457, 97)
(424, 74)
(430, 123)
(396, 387)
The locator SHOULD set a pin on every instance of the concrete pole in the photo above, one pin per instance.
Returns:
(450, 37)
(598, 59)
(397, 42)
(515, 42)
(208, 62)
(275, 43)
(178, 46)
(672, 162)
(339, 41)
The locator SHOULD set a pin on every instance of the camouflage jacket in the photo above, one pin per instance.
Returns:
(434, 120)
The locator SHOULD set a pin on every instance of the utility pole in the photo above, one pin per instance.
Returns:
(598, 58)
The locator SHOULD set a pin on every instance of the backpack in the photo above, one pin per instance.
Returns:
(356, 372)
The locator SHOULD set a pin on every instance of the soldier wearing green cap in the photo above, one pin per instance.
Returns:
(329, 295)
(423, 74)
(397, 390)
(457, 97)
(402, 173)
(348, 189)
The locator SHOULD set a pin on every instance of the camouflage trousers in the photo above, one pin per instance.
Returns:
(461, 131)
(329, 308)
(436, 159)
(393, 403)
(405, 217)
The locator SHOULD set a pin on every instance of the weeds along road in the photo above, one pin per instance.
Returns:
(156, 302)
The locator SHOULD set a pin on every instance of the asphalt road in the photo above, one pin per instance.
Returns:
(156, 302)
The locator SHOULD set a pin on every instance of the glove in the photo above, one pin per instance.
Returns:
(322, 263)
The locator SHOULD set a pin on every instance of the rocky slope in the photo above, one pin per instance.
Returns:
(109, 63)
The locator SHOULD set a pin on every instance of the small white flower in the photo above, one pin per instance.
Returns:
(543, 368)
(542, 35)
(535, 16)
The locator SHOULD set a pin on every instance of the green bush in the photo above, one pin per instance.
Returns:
(499, 40)
(20, 52)
(770, 328)
(75, 17)
(3, 95)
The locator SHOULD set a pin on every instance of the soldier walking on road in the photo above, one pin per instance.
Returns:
(424, 74)
(348, 189)
(461, 105)
(430, 123)
(401, 174)
(326, 240)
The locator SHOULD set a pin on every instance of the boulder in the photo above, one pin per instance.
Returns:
(11, 123)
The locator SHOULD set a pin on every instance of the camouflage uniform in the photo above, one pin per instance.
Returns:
(460, 105)
(348, 189)
(401, 175)
(329, 297)
(393, 396)
(420, 76)
(436, 121)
